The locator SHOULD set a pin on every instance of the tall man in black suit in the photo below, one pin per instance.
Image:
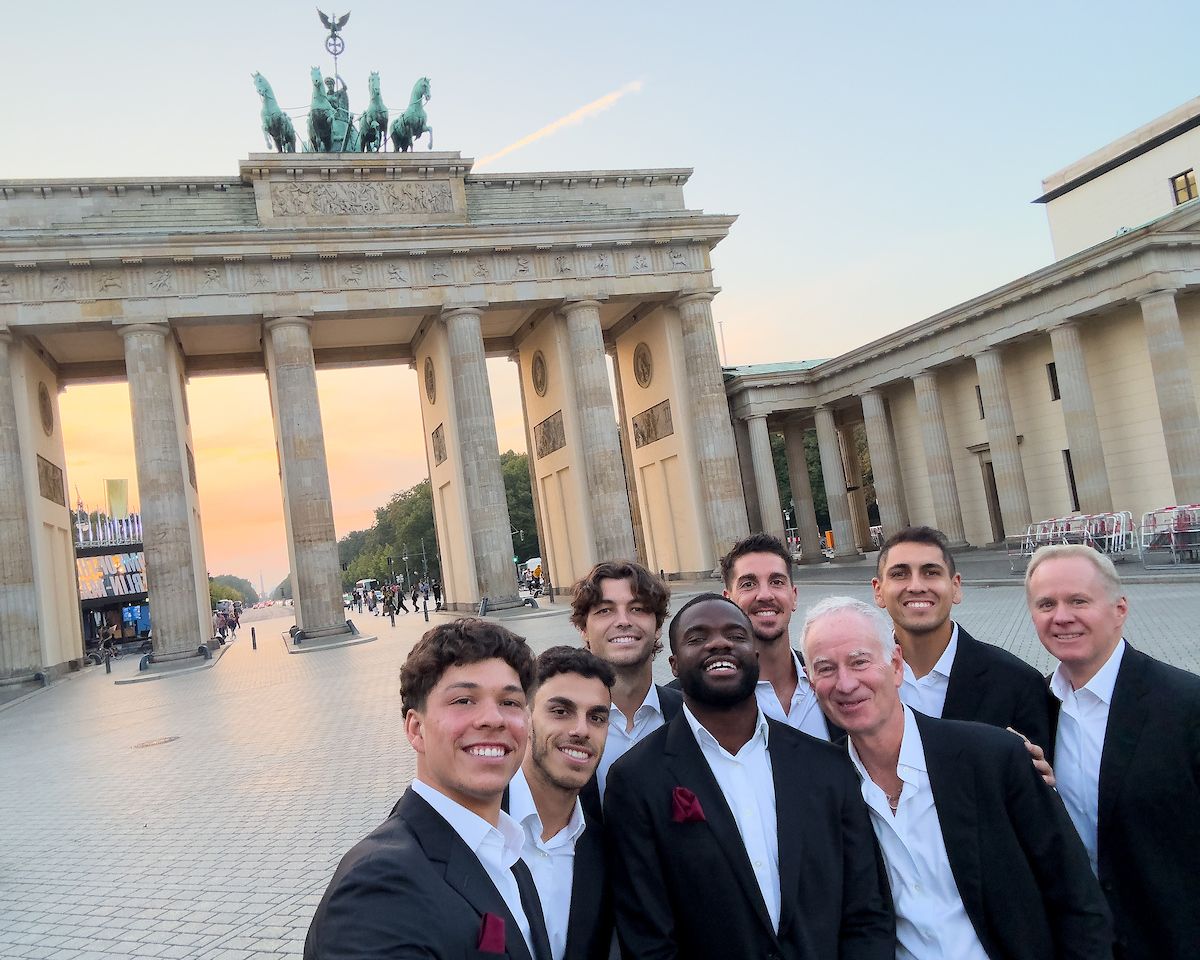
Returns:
(1126, 751)
(442, 876)
(947, 672)
(733, 835)
(758, 578)
(619, 609)
(982, 859)
(564, 848)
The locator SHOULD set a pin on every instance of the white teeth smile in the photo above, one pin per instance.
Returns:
(919, 603)
(579, 755)
(720, 666)
(486, 751)
(622, 639)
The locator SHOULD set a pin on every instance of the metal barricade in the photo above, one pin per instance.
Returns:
(1171, 535)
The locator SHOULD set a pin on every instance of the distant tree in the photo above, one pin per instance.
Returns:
(519, 494)
(245, 588)
(219, 591)
(284, 590)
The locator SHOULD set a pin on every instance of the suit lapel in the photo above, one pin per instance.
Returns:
(463, 871)
(1126, 717)
(962, 689)
(587, 887)
(954, 796)
(786, 773)
(691, 770)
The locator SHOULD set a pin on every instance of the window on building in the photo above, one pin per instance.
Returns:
(1052, 376)
(1184, 186)
(979, 400)
(1071, 480)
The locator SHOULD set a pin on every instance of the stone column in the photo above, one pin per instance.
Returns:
(856, 498)
(612, 527)
(635, 507)
(20, 639)
(885, 465)
(304, 475)
(531, 461)
(741, 437)
(487, 507)
(802, 496)
(158, 445)
(938, 460)
(1079, 415)
(1175, 392)
(1002, 440)
(835, 486)
(715, 448)
(764, 477)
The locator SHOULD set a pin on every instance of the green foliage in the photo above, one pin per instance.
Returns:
(817, 479)
(284, 590)
(244, 588)
(405, 522)
(219, 591)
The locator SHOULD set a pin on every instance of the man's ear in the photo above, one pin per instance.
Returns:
(414, 729)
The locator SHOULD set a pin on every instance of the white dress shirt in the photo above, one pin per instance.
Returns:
(931, 921)
(552, 862)
(646, 719)
(749, 788)
(803, 713)
(1079, 744)
(497, 848)
(927, 694)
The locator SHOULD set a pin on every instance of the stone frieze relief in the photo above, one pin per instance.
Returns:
(360, 199)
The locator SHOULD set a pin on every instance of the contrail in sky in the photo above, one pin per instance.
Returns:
(576, 116)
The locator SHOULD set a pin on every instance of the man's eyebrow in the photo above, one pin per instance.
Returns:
(562, 702)
(462, 685)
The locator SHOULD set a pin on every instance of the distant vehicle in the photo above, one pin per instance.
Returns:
(225, 606)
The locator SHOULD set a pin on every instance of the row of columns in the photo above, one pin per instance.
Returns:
(1177, 405)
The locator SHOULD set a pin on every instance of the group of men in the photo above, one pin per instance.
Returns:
(894, 788)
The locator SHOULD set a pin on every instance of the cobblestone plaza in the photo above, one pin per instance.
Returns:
(217, 843)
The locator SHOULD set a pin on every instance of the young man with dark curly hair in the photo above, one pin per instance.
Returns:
(442, 876)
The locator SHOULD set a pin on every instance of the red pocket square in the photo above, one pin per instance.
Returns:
(685, 806)
(491, 934)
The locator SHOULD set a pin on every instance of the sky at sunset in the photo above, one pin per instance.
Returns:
(881, 159)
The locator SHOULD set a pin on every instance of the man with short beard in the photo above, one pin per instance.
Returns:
(758, 578)
(564, 848)
(739, 836)
(619, 609)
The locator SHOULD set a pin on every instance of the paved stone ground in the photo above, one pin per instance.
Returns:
(217, 845)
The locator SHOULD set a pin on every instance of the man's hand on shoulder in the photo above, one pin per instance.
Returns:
(1038, 755)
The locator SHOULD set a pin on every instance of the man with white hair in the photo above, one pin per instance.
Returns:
(1126, 751)
(980, 854)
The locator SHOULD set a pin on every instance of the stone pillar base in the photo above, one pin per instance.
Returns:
(847, 557)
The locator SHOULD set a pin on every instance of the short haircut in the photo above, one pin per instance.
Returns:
(926, 535)
(673, 629)
(564, 659)
(755, 543)
(881, 626)
(1104, 566)
(456, 644)
(647, 588)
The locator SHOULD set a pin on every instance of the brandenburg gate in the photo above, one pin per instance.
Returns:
(310, 260)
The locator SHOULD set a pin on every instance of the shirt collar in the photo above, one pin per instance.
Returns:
(1101, 685)
(912, 751)
(523, 809)
(651, 703)
(945, 662)
(801, 676)
(471, 827)
(761, 731)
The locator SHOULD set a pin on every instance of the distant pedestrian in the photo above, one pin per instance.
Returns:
(415, 598)
(399, 594)
(437, 594)
(358, 599)
(233, 620)
(390, 607)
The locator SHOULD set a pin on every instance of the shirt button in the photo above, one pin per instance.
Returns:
(758, 864)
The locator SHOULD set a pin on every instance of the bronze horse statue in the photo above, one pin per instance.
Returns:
(276, 125)
(409, 126)
(373, 124)
(320, 117)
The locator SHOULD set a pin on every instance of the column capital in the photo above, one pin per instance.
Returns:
(1171, 292)
(569, 306)
(988, 351)
(288, 320)
(696, 296)
(163, 329)
(461, 310)
(294, 313)
(869, 392)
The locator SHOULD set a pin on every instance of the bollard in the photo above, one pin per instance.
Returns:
(144, 663)
(425, 604)
(253, 640)
(108, 663)
(204, 651)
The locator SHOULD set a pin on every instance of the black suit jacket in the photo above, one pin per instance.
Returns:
(1019, 865)
(990, 685)
(687, 890)
(670, 701)
(410, 889)
(1148, 836)
(590, 924)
